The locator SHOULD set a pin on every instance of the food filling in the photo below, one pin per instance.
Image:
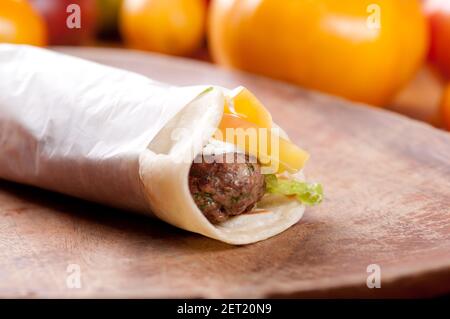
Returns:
(223, 188)
(227, 179)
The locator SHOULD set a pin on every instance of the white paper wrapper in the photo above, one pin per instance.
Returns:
(105, 135)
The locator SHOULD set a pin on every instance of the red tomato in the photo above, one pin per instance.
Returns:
(57, 13)
(446, 108)
(438, 12)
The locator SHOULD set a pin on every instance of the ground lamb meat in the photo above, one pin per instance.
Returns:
(223, 188)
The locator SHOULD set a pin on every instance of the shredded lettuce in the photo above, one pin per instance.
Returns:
(307, 193)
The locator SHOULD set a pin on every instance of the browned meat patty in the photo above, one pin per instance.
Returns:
(223, 189)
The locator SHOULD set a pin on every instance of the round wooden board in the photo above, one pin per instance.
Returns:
(387, 183)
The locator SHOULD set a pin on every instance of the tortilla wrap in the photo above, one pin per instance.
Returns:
(107, 135)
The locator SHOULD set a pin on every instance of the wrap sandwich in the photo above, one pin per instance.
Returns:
(203, 158)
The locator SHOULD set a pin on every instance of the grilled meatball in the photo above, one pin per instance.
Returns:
(222, 189)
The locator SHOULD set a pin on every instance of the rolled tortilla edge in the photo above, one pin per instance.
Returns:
(165, 179)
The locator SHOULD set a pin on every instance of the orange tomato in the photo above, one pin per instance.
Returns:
(20, 24)
(446, 108)
(364, 50)
(168, 26)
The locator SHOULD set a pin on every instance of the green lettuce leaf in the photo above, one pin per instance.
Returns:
(307, 193)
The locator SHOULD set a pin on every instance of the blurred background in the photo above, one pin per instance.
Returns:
(393, 54)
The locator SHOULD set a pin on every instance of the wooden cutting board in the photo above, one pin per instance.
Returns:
(387, 183)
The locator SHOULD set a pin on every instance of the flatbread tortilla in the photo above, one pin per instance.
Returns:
(107, 135)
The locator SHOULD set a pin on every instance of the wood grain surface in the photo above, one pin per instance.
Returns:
(387, 183)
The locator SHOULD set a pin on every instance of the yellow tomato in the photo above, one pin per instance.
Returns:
(446, 108)
(20, 24)
(167, 26)
(363, 50)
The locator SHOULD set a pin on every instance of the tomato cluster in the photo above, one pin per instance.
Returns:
(364, 50)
